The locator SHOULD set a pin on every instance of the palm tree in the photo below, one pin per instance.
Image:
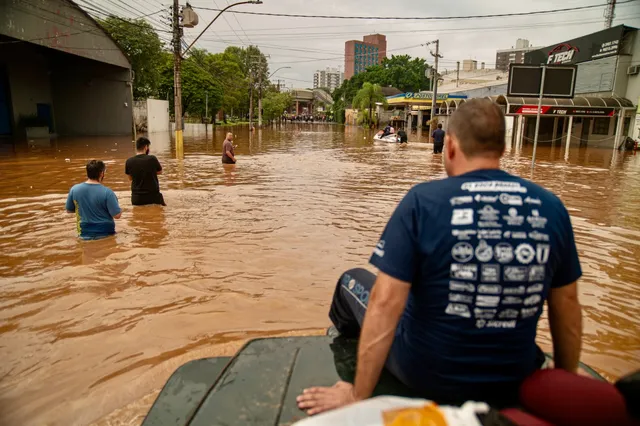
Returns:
(368, 96)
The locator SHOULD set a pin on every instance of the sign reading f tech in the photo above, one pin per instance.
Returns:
(562, 54)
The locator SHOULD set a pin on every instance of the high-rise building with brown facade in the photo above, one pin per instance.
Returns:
(358, 55)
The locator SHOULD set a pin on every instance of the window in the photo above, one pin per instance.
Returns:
(601, 126)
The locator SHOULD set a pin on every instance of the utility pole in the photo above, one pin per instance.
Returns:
(437, 56)
(260, 99)
(609, 13)
(177, 86)
(206, 105)
(250, 70)
(457, 73)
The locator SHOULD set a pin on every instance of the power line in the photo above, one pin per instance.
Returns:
(341, 35)
(240, 25)
(418, 18)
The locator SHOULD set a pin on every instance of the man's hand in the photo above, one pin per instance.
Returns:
(386, 303)
(320, 399)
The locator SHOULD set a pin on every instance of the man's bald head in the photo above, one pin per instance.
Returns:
(478, 126)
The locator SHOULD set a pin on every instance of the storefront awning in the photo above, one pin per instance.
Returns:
(577, 106)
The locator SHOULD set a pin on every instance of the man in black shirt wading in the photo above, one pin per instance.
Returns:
(143, 170)
(438, 140)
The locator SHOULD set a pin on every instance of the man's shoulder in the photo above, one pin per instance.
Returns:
(76, 188)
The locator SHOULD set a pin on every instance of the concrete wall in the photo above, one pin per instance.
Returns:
(29, 80)
(157, 115)
(91, 98)
(140, 115)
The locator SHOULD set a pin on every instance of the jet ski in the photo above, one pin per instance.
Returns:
(392, 138)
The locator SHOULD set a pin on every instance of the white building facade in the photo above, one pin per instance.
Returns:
(330, 78)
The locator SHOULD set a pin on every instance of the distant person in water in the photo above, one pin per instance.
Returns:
(228, 155)
(143, 170)
(438, 139)
(94, 205)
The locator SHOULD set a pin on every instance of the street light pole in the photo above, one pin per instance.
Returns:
(260, 94)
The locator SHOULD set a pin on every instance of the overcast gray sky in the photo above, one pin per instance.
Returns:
(308, 44)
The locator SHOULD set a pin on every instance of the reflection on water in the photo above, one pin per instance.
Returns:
(90, 330)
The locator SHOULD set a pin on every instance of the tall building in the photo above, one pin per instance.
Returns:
(514, 55)
(358, 55)
(331, 78)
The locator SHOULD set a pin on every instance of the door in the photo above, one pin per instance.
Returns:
(5, 104)
(44, 114)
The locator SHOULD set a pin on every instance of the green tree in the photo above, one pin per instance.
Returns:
(275, 104)
(143, 47)
(197, 84)
(367, 97)
(401, 72)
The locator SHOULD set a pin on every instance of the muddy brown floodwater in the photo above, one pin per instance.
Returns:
(90, 331)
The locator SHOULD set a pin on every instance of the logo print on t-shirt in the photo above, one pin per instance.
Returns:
(462, 217)
(536, 220)
(536, 273)
(488, 213)
(510, 199)
(458, 309)
(536, 288)
(514, 219)
(532, 300)
(515, 273)
(490, 273)
(464, 272)
(542, 253)
(525, 253)
(462, 252)
(503, 252)
(484, 252)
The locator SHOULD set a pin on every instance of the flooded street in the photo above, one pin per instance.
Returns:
(90, 331)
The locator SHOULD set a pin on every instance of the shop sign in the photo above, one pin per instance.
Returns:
(425, 95)
(556, 110)
(582, 49)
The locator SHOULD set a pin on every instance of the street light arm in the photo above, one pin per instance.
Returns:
(281, 68)
(217, 16)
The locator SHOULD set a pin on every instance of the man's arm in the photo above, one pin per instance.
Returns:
(386, 304)
(158, 167)
(230, 155)
(70, 206)
(565, 321)
(112, 205)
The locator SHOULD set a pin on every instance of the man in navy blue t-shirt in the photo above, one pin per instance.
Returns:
(465, 266)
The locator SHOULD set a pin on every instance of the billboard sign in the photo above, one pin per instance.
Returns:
(525, 80)
(582, 49)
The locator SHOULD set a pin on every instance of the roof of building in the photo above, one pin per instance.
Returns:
(391, 91)
(471, 80)
(21, 23)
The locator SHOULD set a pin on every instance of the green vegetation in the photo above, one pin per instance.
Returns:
(275, 104)
(143, 47)
(402, 72)
(365, 100)
(226, 77)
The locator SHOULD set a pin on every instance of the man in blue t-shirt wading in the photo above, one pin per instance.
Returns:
(94, 205)
(465, 266)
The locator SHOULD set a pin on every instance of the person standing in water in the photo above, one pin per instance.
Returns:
(94, 205)
(228, 155)
(438, 139)
(143, 170)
